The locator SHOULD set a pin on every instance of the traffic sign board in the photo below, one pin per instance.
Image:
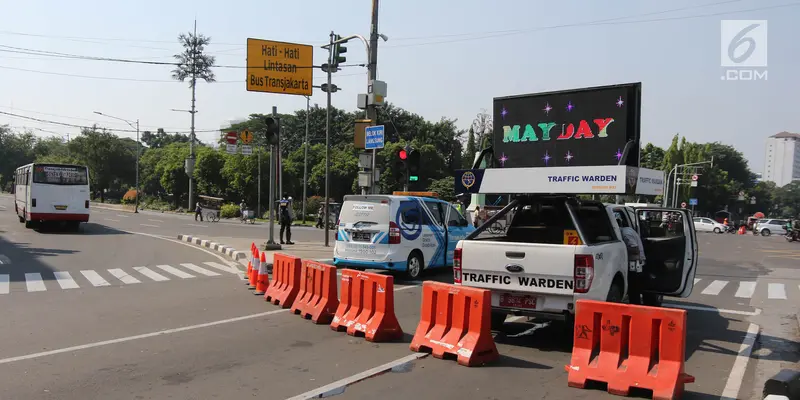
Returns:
(247, 150)
(695, 177)
(374, 137)
(231, 148)
(279, 67)
(692, 202)
(683, 204)
(246, 136)
(231, 137)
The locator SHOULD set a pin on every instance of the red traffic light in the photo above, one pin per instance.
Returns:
(403, 154)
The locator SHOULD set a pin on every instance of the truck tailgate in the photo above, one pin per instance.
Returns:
(519, 267)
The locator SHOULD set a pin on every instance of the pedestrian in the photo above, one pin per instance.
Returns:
(242, 208)
(478, 216)
(285, 214)
(320, 215)
(198, 212)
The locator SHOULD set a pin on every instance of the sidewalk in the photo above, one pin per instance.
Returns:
(238, 249)
(115, 207)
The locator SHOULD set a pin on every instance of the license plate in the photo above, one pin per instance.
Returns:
(517, 301)
(362, 249)
(61, 208)
(362, 236)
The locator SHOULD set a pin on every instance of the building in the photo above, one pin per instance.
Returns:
(782, 158)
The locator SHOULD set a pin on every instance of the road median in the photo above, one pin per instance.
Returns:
(238, 248)
(114, 207)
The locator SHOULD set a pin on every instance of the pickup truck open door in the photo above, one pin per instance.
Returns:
(670, 247)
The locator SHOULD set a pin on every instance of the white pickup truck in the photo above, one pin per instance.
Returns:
(559, 249)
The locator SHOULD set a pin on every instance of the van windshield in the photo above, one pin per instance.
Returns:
(369, 210)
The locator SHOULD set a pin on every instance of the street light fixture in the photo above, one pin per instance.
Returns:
(138, 152)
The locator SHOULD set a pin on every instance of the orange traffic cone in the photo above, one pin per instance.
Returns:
(262, 280)
(251, 276)
(250, 262)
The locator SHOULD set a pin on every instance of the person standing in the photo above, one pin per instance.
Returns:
(198, 212)
(285, 214)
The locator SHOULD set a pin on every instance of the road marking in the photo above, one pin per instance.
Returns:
(152, 226)
(343, 383)
(110, 219)
(776, 291)
(151, 274)
(223, 267)
(714, 288)
(199, 226)
(4, 284)
(123, 276)
(137, 337)
(155, 220)
(174, 271)
(746, 290)
(715, 310)
(65, 280)
(123, 216)
(731, 390)
(697, 280)
(199, 270)
(34, 282)
(94, 278)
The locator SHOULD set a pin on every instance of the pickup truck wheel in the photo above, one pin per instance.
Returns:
(498, 320)
(652, 300)
(616, 293)
(414, 267)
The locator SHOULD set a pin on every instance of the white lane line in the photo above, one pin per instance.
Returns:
(151, 274)
(714, 288)
(731, 390)
(111, 219)
(174, 271)
(776, 291)
(65, 280)
(123, 216)
(199, 226)
(343, 383)
(137, 337)
(155, 220)
(34, 282)
(94, 278)
(4, 284)
(746, 290)
(123, 276)
(697, 280)
(222, 267)
(199, 270)
(152, 226)
(714, 310)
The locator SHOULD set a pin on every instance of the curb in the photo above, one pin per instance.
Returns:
(219, 248)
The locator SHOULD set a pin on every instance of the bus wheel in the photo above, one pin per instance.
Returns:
(30, 224)
(21, 220)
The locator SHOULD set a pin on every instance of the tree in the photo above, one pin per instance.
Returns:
(193, 62)
(469, 153)
(652, 157)
(483, 127)
(161, 139)
(110, 159)
(444, 187)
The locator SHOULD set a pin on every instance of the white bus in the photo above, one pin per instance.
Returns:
(52, 192)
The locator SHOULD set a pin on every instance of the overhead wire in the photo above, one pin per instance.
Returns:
(13, 115)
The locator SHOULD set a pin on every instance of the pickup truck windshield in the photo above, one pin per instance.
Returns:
(544, 220)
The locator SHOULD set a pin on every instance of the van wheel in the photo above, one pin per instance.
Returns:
(652, 300)
(21, 220)
(415, 264)
(498, 320)
(616, 293)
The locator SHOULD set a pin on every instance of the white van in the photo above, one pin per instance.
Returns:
(398, 233)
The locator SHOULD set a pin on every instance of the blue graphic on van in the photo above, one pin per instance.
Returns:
(409, 220)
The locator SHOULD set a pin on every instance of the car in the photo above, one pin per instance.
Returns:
(768, 226)
(703, 224)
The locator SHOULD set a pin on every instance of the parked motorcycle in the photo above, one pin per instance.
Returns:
(792, 235)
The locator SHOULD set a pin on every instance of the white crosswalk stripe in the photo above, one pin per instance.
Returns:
(222, 267)
(174, 271)
(4, 284)
(715, 287)
(199, 270)
(123, 276)
(94, 278)
(776, 291)
(746, 290)
(151, 274)
(749, 289)
(65, 280)
(34, 282)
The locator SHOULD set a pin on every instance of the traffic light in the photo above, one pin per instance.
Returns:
(338, 50)
(273, 131)
(413, 165)
(401, 165)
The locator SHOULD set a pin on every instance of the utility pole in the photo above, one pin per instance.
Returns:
(328, 145)
(372, 111)
(193, 111)
(258, 151)
(305, 158)
(271, 245)
(138, 154)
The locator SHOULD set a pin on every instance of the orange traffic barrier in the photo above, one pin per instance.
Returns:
(250, 262)
(367, 307)
(262, 276)
(629, 346)
(285, 280)
(317, 298)
(252, 274)
(456, 321)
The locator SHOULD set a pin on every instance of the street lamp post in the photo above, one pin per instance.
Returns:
(138, 152)
(305, 158)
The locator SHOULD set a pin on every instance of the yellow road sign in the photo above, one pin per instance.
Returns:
(279, 67)
(246, 136)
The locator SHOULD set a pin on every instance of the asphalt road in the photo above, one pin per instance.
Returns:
(208, 337)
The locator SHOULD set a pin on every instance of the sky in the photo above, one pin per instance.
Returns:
(442, 59)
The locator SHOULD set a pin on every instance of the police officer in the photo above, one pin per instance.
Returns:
(285, 215)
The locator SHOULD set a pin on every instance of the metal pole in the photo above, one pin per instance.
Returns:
(305, 159)
(271, 241)
(328, 148)
(675, 187)
(258, 207)
(278, 163)
(372, 111)
(194, 98)
(138, 154)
